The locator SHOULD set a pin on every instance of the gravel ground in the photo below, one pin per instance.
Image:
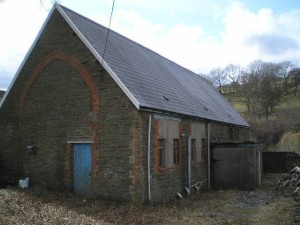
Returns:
(264, 206)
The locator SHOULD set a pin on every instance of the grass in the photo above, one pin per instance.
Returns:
(288, 101)
(40, 206)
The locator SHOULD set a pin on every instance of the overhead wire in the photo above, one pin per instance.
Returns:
(103, 56)
(108, 30)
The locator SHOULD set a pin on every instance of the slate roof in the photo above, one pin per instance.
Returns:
(154, 81)
(151, 81)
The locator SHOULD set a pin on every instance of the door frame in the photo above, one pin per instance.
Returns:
(72, 144)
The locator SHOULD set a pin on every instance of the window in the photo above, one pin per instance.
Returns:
(176, 151)
(167, 148)
(193, 149)
(161, 152)
(198, 143)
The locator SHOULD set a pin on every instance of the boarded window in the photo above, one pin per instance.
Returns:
(169, 149)
(198, 149)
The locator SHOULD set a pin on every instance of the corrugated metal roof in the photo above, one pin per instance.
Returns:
(154, 81)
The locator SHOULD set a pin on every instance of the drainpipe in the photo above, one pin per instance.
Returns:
(208, 155)
(189, 162)
(148, 160)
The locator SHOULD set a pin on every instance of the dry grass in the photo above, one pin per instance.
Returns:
(39, 206)
(290, 142)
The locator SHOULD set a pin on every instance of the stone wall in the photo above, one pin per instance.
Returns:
(54, 102)
(166, 182)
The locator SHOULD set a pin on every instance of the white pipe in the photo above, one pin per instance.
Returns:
(179, 195)
(189, 162)
(148, 159)
(188, 192)
(197, 186)
(208, 155)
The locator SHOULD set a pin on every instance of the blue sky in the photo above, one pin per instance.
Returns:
(197, 34)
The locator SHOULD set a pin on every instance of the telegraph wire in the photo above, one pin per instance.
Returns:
(108, 30)
(107, 35)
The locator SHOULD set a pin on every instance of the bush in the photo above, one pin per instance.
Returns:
(267, 132)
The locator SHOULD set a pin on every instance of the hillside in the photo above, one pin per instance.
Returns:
(285, 117)
(287, 110)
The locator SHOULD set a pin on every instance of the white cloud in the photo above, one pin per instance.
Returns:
(261, 35)
(176, 43)
(244, 35)
(20, 22)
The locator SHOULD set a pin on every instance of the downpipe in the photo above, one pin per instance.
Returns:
(188, 188)
(148, 160)
(208, 156)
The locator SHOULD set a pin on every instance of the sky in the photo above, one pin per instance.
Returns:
(197, 34)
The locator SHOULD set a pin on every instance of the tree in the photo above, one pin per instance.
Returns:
(250, 87)
(269, 91)
(285, 68)
(294, 74)
(233, 74)
(218, 78)
(260, 88)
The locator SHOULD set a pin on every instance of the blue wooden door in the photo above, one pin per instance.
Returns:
(82, 169)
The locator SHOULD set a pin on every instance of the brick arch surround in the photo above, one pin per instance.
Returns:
(95, 108)
(75, 64)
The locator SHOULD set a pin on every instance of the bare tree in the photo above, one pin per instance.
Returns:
(233, 74)
(294, 74)
(260, 88)
(218, 78)
(269, 91)
(250, 87)
(285, 68)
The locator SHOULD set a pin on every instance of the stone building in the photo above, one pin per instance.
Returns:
(119, 122)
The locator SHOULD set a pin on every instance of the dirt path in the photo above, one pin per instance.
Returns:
(38, 206)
